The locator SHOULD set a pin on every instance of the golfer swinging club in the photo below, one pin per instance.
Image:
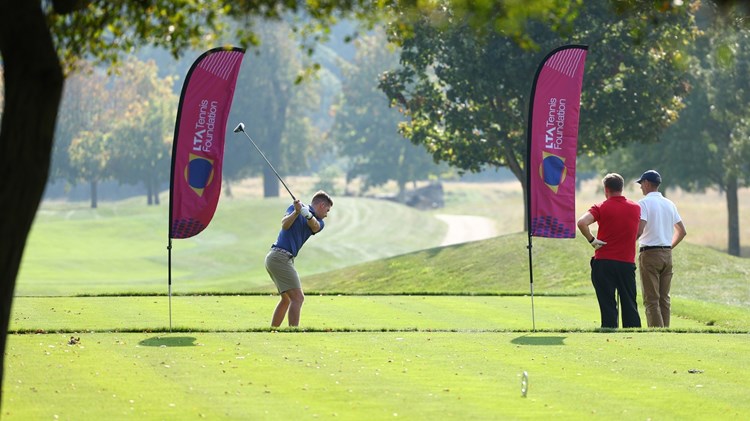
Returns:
(299, 223)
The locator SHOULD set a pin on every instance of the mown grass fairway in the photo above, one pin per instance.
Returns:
(365, 357)
(122, 247)
(393, 326)
(377, 375)
(323, 313)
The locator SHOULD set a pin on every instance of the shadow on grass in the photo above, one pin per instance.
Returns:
(168, 341)
(538, 340)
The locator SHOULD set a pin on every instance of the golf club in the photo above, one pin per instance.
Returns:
(241, 128)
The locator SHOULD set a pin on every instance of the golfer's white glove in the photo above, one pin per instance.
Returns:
(597, 243)
(304, 211)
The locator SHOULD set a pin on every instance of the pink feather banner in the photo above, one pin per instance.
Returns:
(553, 143)
(198, 146)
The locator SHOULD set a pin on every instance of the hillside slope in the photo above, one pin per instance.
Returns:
(501, 266)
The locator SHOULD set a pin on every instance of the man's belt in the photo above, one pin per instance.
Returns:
(644, 248)
(281, 250)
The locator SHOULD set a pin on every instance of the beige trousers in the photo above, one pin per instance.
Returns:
(655, 267)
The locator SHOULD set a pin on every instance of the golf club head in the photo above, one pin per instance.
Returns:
(240, 128)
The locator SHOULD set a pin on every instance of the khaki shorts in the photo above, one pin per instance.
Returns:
(280, 267)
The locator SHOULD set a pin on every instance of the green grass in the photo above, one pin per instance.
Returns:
(368, 357)
(347, 313)
(457, 352)
(500, 266)
(377, 375)
(121, 247)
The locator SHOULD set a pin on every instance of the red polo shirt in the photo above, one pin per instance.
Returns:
(618, 220)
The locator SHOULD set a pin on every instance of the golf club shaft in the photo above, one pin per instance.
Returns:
(269, 163)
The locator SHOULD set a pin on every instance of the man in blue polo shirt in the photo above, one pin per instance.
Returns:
(298, 224)
(613, 264)
(661, 229)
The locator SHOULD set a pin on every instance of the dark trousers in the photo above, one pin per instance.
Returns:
(610, 277)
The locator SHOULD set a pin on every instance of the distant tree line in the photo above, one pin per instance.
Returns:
(455, 92)
(119, 126)
(115, 127)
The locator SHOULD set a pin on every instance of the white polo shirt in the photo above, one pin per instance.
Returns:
(660, 215)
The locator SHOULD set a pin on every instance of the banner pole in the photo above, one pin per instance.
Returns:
(531, 285)
(551, 148)
(202, 113)
(169, 277)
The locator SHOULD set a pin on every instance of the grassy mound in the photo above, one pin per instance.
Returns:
(501, 266)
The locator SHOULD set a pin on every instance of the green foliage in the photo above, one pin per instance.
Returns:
(724, 65)
(366, 128)
(327, 180)
(89, 155)
(80, 153)
(105, 31)
(142, 136)
(116, 127)
(274, 108)
(710, 143)
(466, 92)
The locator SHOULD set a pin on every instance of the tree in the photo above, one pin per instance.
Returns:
(89, 129)
(712, 133)
(89, 154)
(115, 126)
(84, 90)
(33, 82)
(273, 107)
(724, 74)
(142, 132)
(366, 128)
(466, 91)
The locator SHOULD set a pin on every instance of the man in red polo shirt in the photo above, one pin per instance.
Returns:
(613, 264)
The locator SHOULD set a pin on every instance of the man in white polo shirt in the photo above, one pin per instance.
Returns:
(660, 230)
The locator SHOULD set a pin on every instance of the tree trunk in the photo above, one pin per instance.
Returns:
(148, 182)
(33, 87)
(275, 132)
(520, 173)
(401, 195)
(94, 194)
(149, 193)
(270, 183)
(151, 183)
(155, 188)
(273, 152)
(227, 188)
(733, 217)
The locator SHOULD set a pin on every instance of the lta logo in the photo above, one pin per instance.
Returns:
(553, 170)
(199, 173)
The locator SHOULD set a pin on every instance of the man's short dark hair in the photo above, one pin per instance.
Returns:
(322, 196)
(613, 182)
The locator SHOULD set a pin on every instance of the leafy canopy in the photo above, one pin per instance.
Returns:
(466, 90)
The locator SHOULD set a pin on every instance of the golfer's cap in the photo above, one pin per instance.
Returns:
(651, 176)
